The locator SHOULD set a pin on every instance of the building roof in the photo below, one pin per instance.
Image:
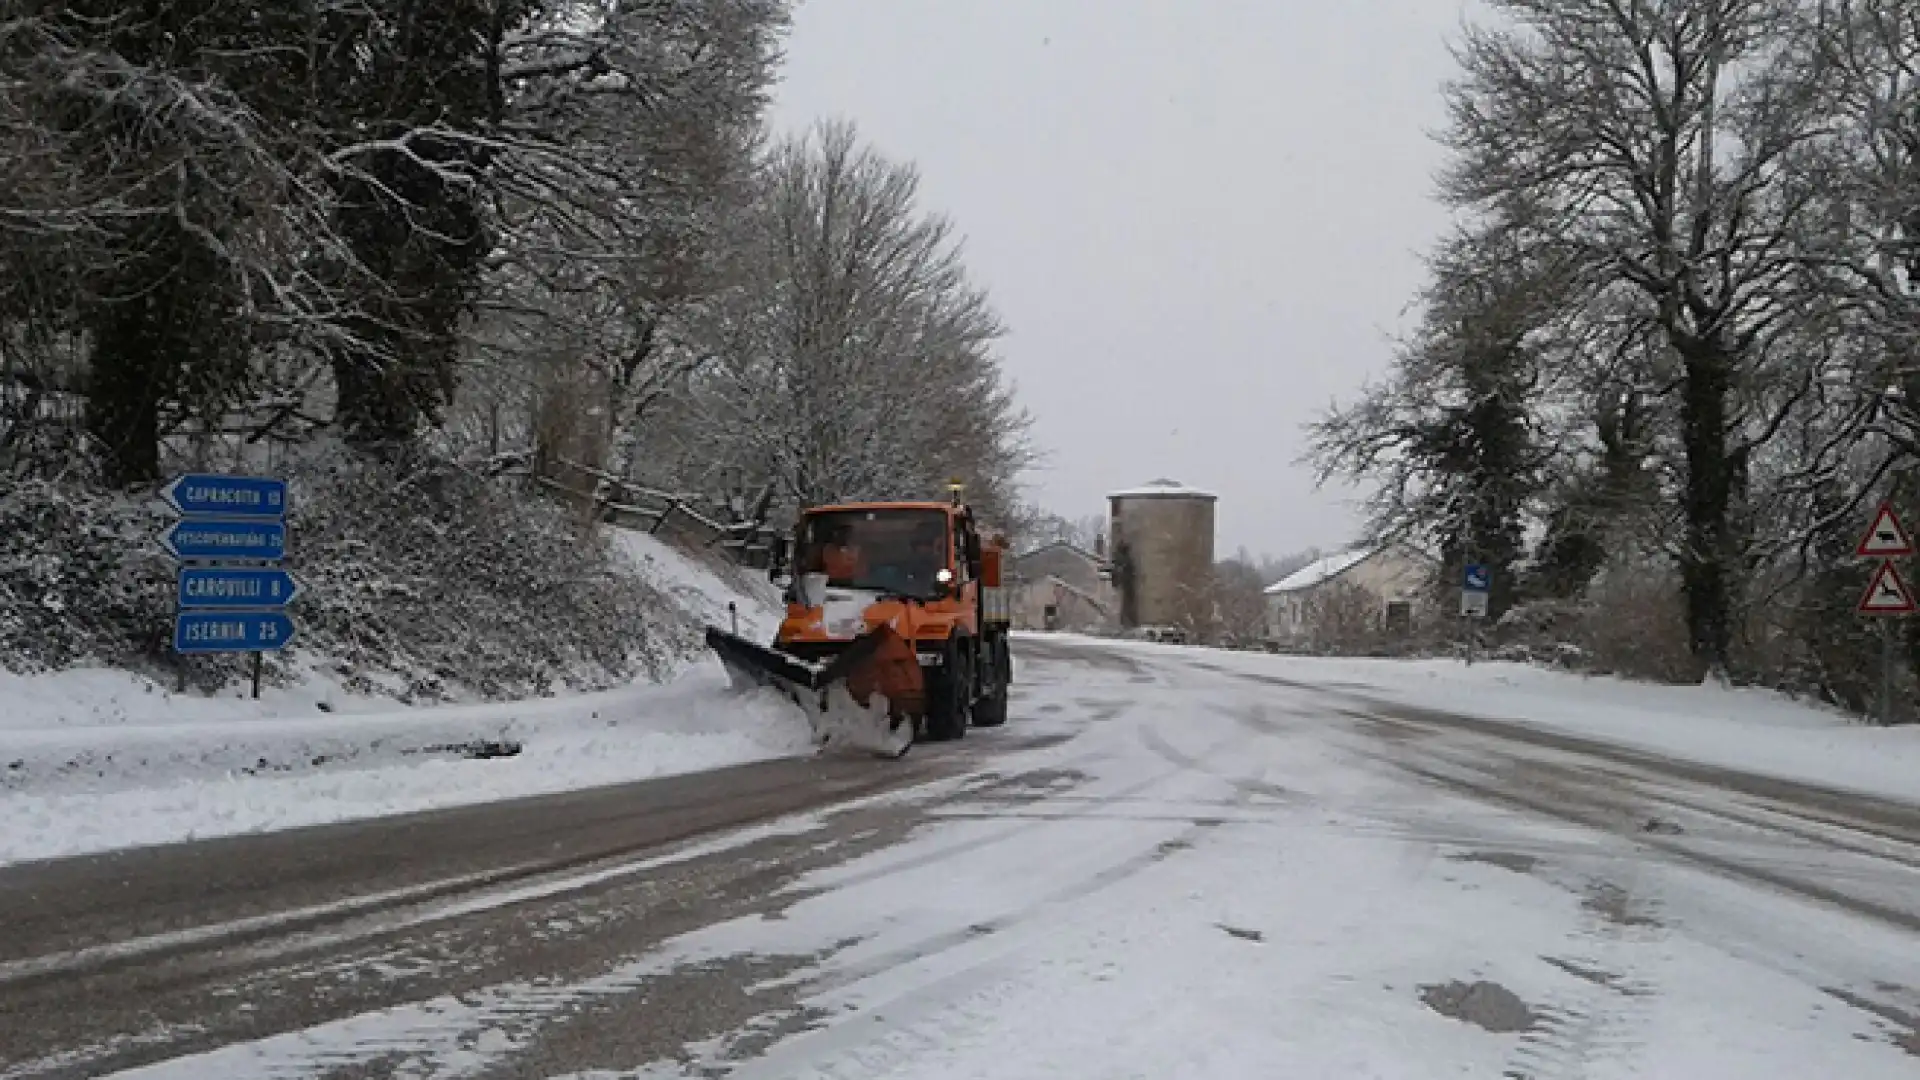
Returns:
(917, 504)
(1321, 570)
(1162, 489)
(1067, 544)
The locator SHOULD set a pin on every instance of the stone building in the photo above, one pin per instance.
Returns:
(1061, 586)
(1162, 543)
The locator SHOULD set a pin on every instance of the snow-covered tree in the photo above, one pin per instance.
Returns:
(1239, 601)
(854, 359)
(1450, 437)
(614, 232)
(156, 210)
(1656, 144)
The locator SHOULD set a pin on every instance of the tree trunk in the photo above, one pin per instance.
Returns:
(128, 379)
(1707, 559)
(622, 399)
(374, 406)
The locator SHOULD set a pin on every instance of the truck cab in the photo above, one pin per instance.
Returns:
(924, 572)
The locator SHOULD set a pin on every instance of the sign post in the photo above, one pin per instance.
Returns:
(1887, 596)
(1476, 584)
(230, 540)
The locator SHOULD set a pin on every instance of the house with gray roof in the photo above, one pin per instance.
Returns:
(1062, 586)
(1339, 600)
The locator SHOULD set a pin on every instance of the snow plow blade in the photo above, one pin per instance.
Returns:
(867, 697)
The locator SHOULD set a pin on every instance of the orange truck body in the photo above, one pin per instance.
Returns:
(906, 600)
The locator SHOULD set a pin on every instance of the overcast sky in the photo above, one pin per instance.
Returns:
(1200, 219)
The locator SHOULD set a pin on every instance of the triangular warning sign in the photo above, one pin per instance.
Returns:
(1886, 538)
(1887, 594)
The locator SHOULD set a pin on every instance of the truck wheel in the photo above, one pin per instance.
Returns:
(949, 695)
(991, 709)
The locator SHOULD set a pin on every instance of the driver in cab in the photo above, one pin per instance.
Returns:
(913, 567)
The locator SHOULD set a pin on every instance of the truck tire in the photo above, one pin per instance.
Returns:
(950, 694)
(990, 709)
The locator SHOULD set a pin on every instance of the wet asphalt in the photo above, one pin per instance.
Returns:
(131, 958)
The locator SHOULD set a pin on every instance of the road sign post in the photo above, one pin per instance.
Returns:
(1886, 674)
(1888, 596)
(221, 607)
(1476, 587)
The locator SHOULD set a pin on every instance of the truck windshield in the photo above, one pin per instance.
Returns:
(892, 551)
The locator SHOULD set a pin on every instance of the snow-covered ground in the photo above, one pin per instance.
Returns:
(701, 590)
(1206, 880)
(99, 759)
(1752, 730)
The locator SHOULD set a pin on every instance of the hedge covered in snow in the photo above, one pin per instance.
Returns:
(423, 582)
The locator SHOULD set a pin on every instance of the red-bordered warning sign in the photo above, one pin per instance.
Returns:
(1887, 594)
(1886, 538)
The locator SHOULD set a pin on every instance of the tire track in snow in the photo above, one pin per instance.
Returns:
(954, 1010)
(1607, 812)
(1255, 718)
(998, 836)
(930, 1014)
(1086, 807)
(1600, 1026)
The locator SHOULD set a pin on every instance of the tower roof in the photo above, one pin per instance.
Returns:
(1162, 489)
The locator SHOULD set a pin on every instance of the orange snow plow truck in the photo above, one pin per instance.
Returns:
(895, 628)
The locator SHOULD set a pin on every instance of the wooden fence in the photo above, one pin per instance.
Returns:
(738, 531)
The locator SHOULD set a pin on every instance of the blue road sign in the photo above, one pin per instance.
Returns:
(207, 495)
(204, 538)
(204, 587)
(1477, 579)
(231, 631)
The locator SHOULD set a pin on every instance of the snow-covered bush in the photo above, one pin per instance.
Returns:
(1624, 626)
(422, 581)
(451, 582)
(82, 578)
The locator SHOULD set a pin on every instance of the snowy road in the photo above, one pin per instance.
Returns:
(1165, 866)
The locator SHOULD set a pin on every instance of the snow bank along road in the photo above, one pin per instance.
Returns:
(1163, 867)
